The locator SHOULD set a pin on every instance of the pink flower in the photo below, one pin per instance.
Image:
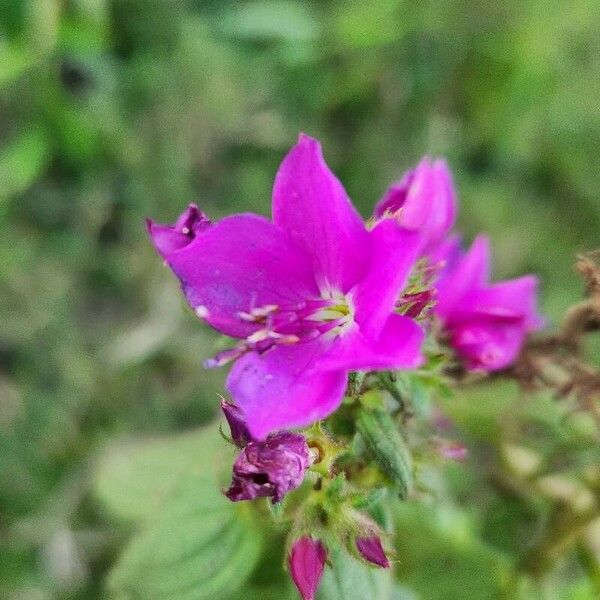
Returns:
(372, 551)
(423, 200)
(486, 323)
(310, 295)
(306, 562)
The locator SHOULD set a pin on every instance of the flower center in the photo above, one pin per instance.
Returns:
(327, 317)
(334, 318)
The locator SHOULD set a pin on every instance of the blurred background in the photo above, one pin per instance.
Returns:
(114, 110)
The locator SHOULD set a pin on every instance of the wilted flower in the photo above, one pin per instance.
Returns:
(311, 294)
(372, 551)
(272, 468)
(423, 200)
(485, 323)
(306, 561)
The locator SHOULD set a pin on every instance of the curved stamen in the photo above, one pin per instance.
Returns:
(283, 325)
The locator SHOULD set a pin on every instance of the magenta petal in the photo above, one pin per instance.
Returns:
(237, 423)
(488, 345)
(312, 206)
(280, 390)
(446, 253)
(515, 298)
(468, 272)
(397, 347)
(420, 206)
(306, 562)
(395, 196)
(423, 200)
(372, 551)
(241, 263)
(393, 254)
(485, 324)
(169, 238)
(443, 205)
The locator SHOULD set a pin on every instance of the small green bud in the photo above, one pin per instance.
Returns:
(335, 489)
(372, 399)
(366, 501)
(387, 447)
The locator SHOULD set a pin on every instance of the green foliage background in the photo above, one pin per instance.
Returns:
(113, 110)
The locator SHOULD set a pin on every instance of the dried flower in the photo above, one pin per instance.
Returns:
(270, 468)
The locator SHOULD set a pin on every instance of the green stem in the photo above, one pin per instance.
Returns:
(387, 382)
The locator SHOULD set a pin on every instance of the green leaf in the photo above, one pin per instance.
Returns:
(135, 478)
(195, 554)
(349, 579)
(284, 591)
(440, 557)
(193, 544)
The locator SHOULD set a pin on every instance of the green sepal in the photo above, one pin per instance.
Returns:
(387, 447)
(372, 399)
(355, 384)
(335, 489)
(366, 501)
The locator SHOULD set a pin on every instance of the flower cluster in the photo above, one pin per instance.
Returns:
(315, 295)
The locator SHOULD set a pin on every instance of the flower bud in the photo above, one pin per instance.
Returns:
(237, 424)
(306, 562)
(168, 238)
(270, 468)
(423, 200)
(417, 305)
(387, 448)
(372, 551)
(453, 451)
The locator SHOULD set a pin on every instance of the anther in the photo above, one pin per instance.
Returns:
(201, 311)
